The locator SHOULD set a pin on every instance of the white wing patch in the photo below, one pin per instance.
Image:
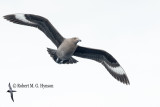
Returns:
(22, 17)
(118, 70)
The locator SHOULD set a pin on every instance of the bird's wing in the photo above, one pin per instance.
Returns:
(37, 21)
(109, 62)
(12, 96)
(9, 85)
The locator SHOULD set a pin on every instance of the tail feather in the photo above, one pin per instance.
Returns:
(52, 53)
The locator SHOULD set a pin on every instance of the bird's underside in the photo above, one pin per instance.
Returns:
(52, 53)
(101, 56)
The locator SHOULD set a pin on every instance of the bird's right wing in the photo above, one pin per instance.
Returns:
(107, 60)
(37, 21)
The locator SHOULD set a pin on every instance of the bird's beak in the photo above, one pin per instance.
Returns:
(79, 40)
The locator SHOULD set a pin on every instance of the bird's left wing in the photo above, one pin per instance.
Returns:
(103, 57)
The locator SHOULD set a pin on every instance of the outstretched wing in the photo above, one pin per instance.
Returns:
(37, 21)
(12, 96)
(9, 85)
(103, 57)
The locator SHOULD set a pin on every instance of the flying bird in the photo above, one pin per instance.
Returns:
(11, 91)
(67, 47)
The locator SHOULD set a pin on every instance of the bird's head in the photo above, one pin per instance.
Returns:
(76, 40)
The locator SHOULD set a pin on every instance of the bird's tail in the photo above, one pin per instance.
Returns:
(52, 53)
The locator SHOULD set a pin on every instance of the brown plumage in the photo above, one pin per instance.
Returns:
(66, 48)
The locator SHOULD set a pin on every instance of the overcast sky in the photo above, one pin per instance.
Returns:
(127, 29)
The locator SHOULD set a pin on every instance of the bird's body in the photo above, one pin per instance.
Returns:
(67, 47)
(11, 91)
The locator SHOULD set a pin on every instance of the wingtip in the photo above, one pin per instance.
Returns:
(10, 17)
(126, 83)
(122, 78)
(126, 80)
(5, 16)
(48, 48)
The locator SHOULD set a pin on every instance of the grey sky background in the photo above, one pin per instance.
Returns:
(129, 30)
